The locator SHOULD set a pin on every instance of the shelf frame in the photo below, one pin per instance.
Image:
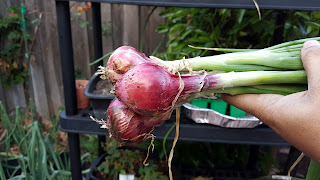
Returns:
(70, 121)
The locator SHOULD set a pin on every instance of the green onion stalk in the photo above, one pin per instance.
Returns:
(285, 56)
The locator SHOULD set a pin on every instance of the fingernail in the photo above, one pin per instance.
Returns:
(310, 43)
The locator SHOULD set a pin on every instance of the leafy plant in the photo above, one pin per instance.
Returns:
(12, 64)
(151, 172)
(127, 161)
(89, 144)
(228, 28)
(301, 25)
(106, 28)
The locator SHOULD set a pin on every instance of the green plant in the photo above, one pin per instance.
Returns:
(212, 28)
(301, 25)
(12, 64)
(127, 161)
(106, 29)
(37, 158)
(228, 28)
(78, 72)
(151, 172)
(89, 144)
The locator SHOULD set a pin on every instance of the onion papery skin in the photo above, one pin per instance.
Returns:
(128, 127)
(150, 90)
(123, 59)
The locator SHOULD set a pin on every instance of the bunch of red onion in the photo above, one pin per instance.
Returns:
(149, 89)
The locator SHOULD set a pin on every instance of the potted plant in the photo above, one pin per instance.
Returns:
(81, 84)
(82, 100)
(98, 91)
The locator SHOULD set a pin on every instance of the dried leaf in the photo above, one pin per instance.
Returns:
(79, 9)
(15, 65)
(85, 7)
(27, 121)
(15, 150)
(62, 138)
(47, 124)
(202, 178)
(25, 65)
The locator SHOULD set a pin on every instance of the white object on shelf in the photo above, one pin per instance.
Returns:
(126, 177)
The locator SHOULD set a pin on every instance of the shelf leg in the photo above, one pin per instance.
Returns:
(74, 148)
(101, 139)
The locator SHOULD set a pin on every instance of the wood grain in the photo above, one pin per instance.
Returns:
(125, 26)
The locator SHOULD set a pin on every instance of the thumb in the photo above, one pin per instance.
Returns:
(310, 56)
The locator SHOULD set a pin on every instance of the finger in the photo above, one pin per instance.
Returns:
(259, 105)
(310, 56)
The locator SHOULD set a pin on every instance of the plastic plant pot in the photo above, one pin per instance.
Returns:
(216, 105)
(201, 103)
(98, 102)
(82, 100)
(235, 112)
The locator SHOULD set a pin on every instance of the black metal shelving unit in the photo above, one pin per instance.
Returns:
(75, 122)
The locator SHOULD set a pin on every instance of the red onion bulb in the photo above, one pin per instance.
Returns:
(123, 59)
(128, 127)
(150, 90)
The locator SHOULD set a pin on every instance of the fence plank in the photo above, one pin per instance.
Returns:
(3, 12)
(125, 27)
(15, 97)
(130, 31)
(4, 4)
(106, 24)
(37, 88)
(50, 56)
(151, 37)
(117, 25)
(81, 54)
(3, 96)
(90, 40)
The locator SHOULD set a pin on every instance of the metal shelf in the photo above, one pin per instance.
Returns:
(310, 5)
(189, 131)
(75, 124)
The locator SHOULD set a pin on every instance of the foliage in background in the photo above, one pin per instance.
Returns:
(229, 28)
(128, 161)
(13, 67)
(38, 154)
(301, 25)
(83, 8)
(89, 144)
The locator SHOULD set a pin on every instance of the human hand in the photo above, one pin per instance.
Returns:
(295, 117)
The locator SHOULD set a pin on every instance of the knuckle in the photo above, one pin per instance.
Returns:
(311, 53)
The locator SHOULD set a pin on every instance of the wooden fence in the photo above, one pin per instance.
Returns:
(122, 25)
